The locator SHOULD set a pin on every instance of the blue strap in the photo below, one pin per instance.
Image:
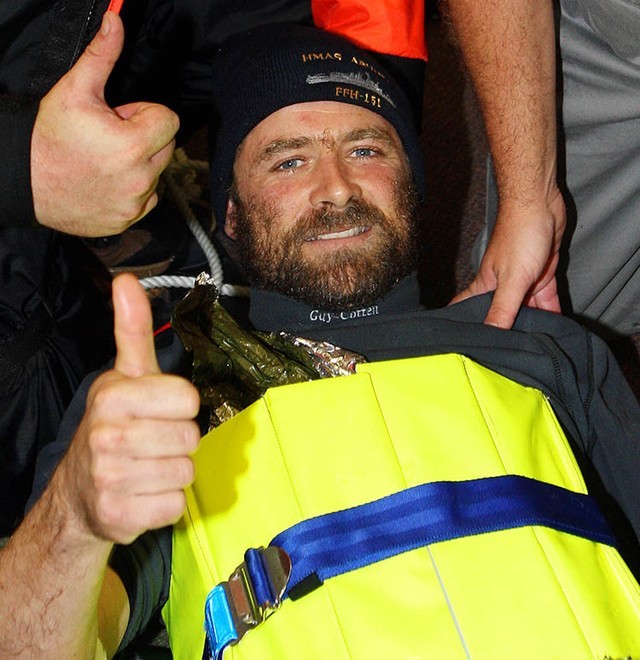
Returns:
(343, 541)
(335, 543)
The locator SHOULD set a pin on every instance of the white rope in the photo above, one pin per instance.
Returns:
(186, 282)
(209, 250)
(168, 282)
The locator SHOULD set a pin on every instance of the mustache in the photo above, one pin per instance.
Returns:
(326, 220)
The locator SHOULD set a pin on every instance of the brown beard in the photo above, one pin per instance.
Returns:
(345, 279)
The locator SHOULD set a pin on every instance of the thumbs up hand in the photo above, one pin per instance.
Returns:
(94, 169)
(129, 461)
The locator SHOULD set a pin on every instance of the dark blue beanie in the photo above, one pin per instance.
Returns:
(268, 68)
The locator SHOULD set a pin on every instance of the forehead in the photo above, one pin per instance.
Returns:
(317, 120)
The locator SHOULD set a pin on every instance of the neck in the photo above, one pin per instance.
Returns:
(274, 312)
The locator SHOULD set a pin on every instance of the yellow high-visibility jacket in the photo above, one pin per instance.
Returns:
(308, 449)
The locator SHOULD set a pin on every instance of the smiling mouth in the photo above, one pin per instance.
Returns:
(347, 233)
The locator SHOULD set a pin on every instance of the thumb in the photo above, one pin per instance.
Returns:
(94, 66)
(133, 328)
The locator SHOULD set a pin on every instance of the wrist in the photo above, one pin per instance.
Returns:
(533, 198)
(65, 510)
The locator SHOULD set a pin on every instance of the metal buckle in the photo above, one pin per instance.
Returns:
(252, 593)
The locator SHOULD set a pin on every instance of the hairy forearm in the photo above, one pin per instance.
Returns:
(124, 472)
(509, 49)
(51, 575)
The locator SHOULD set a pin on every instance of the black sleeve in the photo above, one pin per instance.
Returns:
(613, 448)
(144, 567)
(17, 117)
(39, 40)
(591, 386)
(22, 27)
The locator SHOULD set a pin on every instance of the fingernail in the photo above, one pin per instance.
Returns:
(106, 24)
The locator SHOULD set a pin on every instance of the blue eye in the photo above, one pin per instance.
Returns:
(364, 152)
(290, 164)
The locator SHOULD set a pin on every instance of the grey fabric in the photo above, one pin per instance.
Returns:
(599, 98)
(601, 119)
(616, 22)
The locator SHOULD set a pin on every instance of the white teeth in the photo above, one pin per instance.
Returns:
(340, 234)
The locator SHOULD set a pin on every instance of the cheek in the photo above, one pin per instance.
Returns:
(380, 187)
(288, 201)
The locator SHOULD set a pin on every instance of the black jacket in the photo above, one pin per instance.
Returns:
(55, 325)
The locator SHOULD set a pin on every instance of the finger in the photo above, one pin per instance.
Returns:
(120, 476)
(159, 438)
(162, 510)
(154, 396)
(506, 303)
(148, 205)
(146, 438)
(158, 124)
(133, 328)
(547, 298)
(122, 519)
(93, 68)
(163, 157)
(469, 292)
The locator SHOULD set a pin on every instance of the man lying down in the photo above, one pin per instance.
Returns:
(432, 504)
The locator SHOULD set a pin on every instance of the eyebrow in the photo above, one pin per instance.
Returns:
(291, 144)
(371, 133)
(285, 144)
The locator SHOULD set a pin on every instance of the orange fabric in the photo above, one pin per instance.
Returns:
(115, 5)
(394, 27)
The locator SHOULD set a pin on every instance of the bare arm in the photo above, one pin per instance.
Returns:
(124, 472)
(509, 49)
(51, 575)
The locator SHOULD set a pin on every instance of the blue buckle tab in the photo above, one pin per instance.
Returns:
(251, 594)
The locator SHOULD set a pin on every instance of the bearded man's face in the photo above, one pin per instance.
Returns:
(323, 207)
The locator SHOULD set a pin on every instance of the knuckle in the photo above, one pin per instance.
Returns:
(133, 207)
(191, 437)
(128, 212)
(185, 471)
(107, 513)
(103, 480)
(116, 522)
(167, 118)
(105, 396)
(104, 438)
(141, 186)
(172, 508)
(191, 400)
(134, 149)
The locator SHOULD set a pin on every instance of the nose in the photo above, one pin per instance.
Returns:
(334, 184)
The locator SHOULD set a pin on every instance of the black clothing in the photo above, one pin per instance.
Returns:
(55, 326)
(53, 330)
(587, 391)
